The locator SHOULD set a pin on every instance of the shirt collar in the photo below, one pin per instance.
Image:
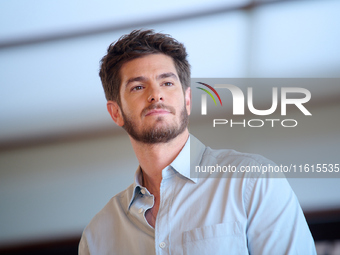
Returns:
(197, 149)
(190, 155)
(137, 185)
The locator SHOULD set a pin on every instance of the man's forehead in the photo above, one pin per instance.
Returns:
(155, 66)
(149, 63)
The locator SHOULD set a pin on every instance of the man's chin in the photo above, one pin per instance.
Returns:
(158, 119)
(156, 135)
(159, 130)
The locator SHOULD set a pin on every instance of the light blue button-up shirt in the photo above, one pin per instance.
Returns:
(202, 215)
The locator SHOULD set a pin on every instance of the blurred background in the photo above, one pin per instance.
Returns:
(61, 156)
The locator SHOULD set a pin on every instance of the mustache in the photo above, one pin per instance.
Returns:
(158, 106)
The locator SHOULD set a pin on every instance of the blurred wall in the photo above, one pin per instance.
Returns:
(61, 156)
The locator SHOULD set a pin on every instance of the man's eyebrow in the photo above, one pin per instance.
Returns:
(167, 75)
(134, 79)
(159, 77)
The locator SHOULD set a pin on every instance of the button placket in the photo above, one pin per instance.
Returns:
(162, 236)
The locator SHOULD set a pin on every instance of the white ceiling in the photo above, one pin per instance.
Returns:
(20, 18)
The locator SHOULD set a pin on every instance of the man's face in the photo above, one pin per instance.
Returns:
(153, 107)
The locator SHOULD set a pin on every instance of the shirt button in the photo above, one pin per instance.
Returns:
(162, 245)
(142, 191)
(140, 210)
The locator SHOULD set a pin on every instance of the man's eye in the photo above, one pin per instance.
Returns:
(168, 84)
(137, 88)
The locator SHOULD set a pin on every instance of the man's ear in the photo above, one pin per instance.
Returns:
(115, 112)
(187, 96)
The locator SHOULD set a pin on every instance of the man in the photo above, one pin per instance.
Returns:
(146, 79)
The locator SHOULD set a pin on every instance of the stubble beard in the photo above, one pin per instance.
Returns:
(158, 134)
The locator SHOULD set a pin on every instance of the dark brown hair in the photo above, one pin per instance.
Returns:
(137, 44)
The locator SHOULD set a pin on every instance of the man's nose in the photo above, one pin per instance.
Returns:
(155, 95)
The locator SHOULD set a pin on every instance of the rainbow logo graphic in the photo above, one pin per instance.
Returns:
(204, 97)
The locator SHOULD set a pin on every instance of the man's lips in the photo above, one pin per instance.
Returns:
(157, 111)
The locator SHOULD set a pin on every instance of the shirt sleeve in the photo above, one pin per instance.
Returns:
(83, 248)
(276, 224)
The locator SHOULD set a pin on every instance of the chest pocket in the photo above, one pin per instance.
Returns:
(224, 238)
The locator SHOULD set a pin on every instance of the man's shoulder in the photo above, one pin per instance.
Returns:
(231, 156)
(116, 207)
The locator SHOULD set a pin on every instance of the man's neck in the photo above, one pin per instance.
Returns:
(153, 158)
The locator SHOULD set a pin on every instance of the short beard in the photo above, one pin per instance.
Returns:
(158, 134)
